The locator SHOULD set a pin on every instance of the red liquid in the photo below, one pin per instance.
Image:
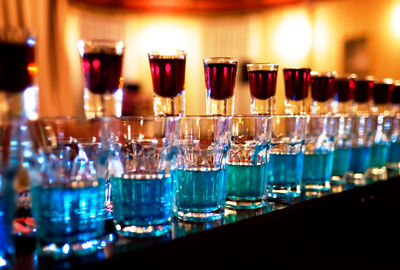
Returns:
(168, 76)
(102, 72)
(297, 82)
(322, 88)
(381, 93)
(344, 89)
(363, 90)
(220, 80)
(396, 94)
(15, 59)
(262, 83)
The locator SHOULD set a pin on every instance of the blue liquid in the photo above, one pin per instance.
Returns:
(360, 157)
(394, 152)
(317, 169)
(246, 183)
(6, 240)
(379, 155)
(341, 161)
(142, 202)
(200, 191)
(68, 215)
(285, 170)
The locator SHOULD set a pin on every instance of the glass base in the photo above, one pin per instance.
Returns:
(376, 174)
(143, 231)
(316, 187)
(220, 107)
(295, 107)
(262, 106)
(393, 169)
(277, 192)
(99, 105)
(66, 250)
(200, 216)
(239, 204)
(169, 106)
(355, 179)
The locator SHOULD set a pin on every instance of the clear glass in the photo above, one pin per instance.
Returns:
(143, 196)
(68, 200)
(220, 79)
(381, 127)
(248, 161)
(393, 162)
(262, 80)
(361, 131)
(18, 74)
(102, 62)
(286, 156)
(168, 77)
(297, 84)
(200, 175)
(318, 154)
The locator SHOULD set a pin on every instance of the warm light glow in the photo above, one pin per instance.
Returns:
(396, 20)
(293, 37)
(165, 37)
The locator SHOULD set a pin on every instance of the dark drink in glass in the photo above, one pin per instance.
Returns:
(220, 78)
(344, 93)
(381, 95)
(262, 80)
(395, 99)
(102, 68)
(363, 94)
(322, 91)
(297, 83)
(168, 77)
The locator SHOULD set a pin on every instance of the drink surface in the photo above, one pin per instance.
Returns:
(246, 182)
(200, 191)
(262, 83)
(341, 161)
(297, 82)
(360, 157)
(102, 72)
(142, 201)
(168, 76)
(317, 168)
(68, 215)
(15, 59)
(220, 80)
(322, 88)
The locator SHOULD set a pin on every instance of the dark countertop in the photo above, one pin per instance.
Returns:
(357, 228)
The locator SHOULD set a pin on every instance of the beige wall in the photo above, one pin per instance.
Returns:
(308, 34)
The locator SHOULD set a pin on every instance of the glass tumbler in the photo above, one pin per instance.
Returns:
(297, 84)
(168, 77)
(102, 68)
(286, 156)
(220, 79)
(200, 175)
(319, 151)
(143, 196)
(248, 161)
(262, 80)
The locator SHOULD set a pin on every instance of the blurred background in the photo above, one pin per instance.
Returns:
(348, 36)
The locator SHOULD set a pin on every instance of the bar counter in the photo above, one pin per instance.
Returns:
(358, 227)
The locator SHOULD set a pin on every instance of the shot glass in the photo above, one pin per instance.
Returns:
(248, 161)
(286, 156)
(200, 176)
(380, 147)
(67, 204)
(7, 198)
(168, 77)
(220, 79)
(344, 93)
(102, 68)
(17, 72)
(297, 83)
(361, 149)
(318, 155)
(393, 162)
(262, 79)
(322, 91)
(143, 196)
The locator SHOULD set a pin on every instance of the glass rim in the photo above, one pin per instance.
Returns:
(329, 74)
(346, 76)
(220, 60)
(167, 54)
(262, 66)
(296, 68)
(92, 45)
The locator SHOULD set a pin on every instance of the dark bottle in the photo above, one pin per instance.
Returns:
(220, 80)
(102, 72)
(262, 83)
(15, 63)
(168, 76)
